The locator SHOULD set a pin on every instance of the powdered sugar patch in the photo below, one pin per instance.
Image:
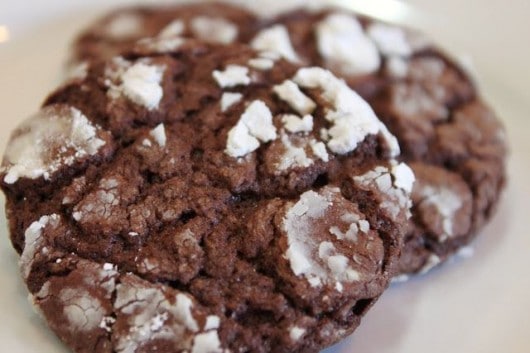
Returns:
(352, 117)
(58, 135)
(33, 241)
(231, 76)
(289, 92)
(318, 261)
(343, 44)
(276, 39)
(139, 82)
(395, 182)
(255, 125)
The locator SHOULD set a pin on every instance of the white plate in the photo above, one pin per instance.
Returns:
(478, 305)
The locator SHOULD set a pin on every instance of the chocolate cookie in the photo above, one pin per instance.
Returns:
(454, 142)
(205, 199)
(212, 22)
(425, 99)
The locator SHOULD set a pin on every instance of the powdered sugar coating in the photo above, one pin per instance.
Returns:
(159, 135)
(353, 119)
(289, 92)
(294, 156)
(276, 39)
(395, 183)
(231, 76)
(240, 141)
(57, 136)
(139, 82)
(108, 266)
(295, 333)
(446, 203)
(159, 214)
(228, 99)
(254, 125)
(318, 261)
(261, 64)
(319, 150)
(98, 204)
(249, 158)
(412, 101)
(403, 177)
(337, 263)
(173, 29)
(336, 35)
(207, 342)
(258, 118)
(216, 30)
(390, 40)
(82, 311)
(295, 124)
(212, 323)
(80, 300)
(353, 225)
(34, 242)
(161, 44)
(149, 313)
(106, 323)
(311, 206)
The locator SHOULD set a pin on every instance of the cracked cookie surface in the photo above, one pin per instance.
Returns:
(426, 99)
(192, 200)
(453, 141)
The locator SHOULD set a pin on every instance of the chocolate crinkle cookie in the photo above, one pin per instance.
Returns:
(201, 198)
(455, 143)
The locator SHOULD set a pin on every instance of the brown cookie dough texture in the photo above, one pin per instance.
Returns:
(427, 101)
(454, 142)
(205, 199)
(212, 22)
